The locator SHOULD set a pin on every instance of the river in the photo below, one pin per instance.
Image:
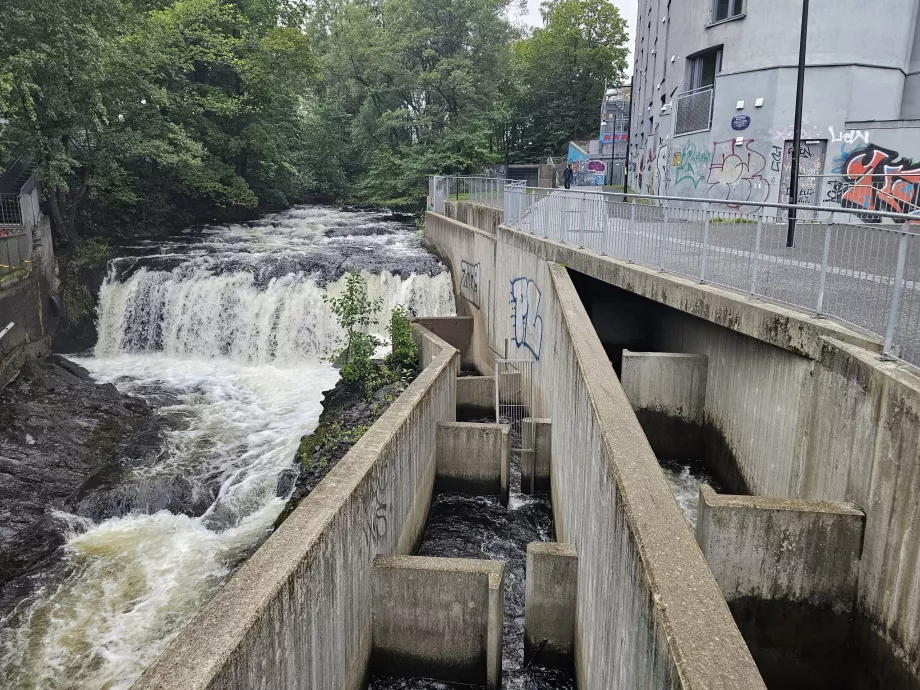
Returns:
(223, 332)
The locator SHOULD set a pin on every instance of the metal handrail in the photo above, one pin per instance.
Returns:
(867, 276)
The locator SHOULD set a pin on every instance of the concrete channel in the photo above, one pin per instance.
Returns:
(420, 559)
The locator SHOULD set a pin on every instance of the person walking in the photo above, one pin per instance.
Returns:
(567, 177)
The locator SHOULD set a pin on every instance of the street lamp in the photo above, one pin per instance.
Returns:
(797, 125)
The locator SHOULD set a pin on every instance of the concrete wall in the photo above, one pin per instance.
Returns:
(297, 614)
(476, 395)
(438, 618)
(664, 624)
(486, 218)
(470, 254)
(473, 458)
(550, 603)
(537, 435)
(788, 571)
(668, 392)
(25, 301)
(456, 331)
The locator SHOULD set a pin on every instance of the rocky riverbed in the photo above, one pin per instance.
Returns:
(59, 433)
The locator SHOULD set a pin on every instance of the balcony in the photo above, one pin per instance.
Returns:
(694, 111)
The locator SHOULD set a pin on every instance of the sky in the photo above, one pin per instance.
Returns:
(628, 10)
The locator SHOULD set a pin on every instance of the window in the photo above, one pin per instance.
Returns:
(703, 68)
(726, 9)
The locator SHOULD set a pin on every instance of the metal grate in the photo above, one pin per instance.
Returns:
(514, 396)
(694, 111)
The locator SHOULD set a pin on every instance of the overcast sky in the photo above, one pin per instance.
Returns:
(628, 9)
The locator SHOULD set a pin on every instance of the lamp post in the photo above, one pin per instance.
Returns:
(797, 125)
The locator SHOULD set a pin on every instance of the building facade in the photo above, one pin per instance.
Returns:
(714, 101)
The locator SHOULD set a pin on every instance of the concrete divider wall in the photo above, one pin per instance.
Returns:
(486, 218)
(297, 614)
(650, 614)
(470, 254)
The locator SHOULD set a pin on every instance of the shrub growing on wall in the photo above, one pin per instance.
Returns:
(405, 351)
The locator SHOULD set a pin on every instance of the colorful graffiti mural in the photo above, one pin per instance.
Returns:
(736, 173)
(691, 166)
(588, 171)
(880, 179)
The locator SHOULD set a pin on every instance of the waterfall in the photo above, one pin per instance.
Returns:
(223, 332)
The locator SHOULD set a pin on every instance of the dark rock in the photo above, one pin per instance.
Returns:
(348, 411)
(57, 428)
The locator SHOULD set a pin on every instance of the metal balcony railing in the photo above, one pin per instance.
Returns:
(694, 110)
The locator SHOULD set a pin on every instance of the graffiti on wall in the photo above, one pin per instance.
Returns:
(691, 165)
(880, 179)
(469, 282)
(808, 131)
(736, 173)
(811, 165)
(852, 136)
(527, 324)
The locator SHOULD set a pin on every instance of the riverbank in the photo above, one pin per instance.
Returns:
(349, 410)
(58, 430)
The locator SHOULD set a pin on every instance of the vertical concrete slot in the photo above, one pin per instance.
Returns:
(438, 618)
(667, 390)
(537, 435)
(551, 592)
(788, 570)
(473, 458)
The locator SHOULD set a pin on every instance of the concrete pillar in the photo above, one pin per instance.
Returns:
(550, 597)
(454, 330)
(475, 396)
(537, 437)
(439, 618)
(788, 570)
(473, 458)
(667, 390)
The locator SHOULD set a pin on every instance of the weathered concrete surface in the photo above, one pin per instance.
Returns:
(668, 392)
(539, 437)
(25, 302)
(456, 331)
(780, 548)
(476, 395)
(788, 571)
(470, 254)
(297, 614)
(665, 623)
(438, 618)
(550, 602)
(473, 458)
(486, 218)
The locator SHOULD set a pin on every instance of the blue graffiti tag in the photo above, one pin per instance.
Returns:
(525, 315)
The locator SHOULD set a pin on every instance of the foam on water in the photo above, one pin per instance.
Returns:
(232, 361)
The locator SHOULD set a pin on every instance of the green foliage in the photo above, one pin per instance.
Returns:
(316, 449)
(561, 72)
(404, 351)
(76, 271)
(356, 313)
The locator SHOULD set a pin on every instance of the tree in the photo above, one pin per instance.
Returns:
(356, 313)
(562, 70)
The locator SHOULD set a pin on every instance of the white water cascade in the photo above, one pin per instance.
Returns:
(223, 333)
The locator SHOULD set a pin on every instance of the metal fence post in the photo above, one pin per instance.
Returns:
(895, 296)
(630, 229)
(822, 279)
(756, 258)
(661, 235)
(705, 250)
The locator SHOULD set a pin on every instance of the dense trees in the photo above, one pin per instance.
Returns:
(140, 114)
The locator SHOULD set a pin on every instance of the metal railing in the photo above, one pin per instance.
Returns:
(867, 276)
(489, 191)
(19, 214)
(694, 110)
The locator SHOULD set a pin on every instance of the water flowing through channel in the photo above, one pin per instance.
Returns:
(222, 332)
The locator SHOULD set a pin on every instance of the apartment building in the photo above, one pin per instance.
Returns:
(714, 101)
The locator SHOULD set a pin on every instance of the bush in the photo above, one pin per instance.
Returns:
(355, 312)
(405, 351)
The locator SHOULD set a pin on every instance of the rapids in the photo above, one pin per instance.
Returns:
(223, 333)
